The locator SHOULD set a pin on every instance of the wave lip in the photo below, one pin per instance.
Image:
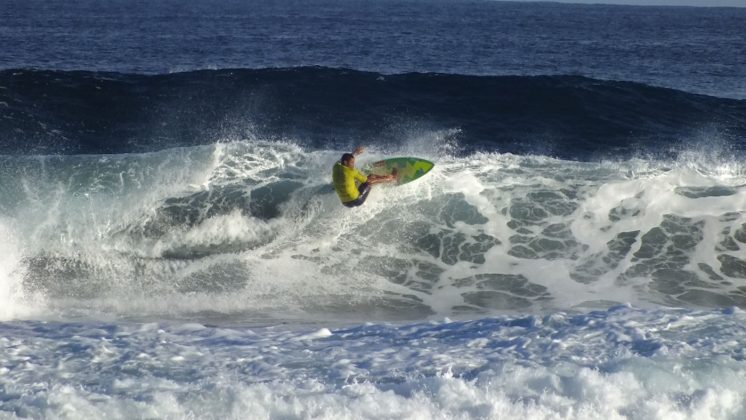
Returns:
(565, 116)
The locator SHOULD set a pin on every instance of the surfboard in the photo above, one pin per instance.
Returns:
(406, 169)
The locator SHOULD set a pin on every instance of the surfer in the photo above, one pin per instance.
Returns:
(353, 186)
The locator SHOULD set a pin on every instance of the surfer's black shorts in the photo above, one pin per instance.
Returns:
(364, 190)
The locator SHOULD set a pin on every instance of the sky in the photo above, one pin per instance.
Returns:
(732, 3)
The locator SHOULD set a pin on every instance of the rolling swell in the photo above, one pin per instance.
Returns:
(53, 112)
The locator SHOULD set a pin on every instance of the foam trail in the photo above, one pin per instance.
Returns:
(620, 363)
(14, 302)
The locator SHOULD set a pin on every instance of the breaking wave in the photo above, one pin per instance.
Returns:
(254, 229)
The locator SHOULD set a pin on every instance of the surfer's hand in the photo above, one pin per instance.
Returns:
(358, 150)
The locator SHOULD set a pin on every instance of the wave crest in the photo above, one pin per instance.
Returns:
(323, 108)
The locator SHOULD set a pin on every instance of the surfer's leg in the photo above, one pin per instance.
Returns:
(364, 190)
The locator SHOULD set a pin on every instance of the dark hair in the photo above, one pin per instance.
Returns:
(346, 157)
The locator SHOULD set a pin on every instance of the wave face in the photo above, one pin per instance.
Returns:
(252, 229)
(53, 112)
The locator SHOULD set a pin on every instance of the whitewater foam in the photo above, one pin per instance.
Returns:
(620, 363)
(253, 228)
(11, 291)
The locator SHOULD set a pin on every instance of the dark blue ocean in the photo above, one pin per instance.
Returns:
(171, 246)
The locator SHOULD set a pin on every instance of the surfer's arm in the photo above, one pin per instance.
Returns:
(377, 179)
(370, 179)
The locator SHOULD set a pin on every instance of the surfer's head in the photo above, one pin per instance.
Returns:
(348, 159)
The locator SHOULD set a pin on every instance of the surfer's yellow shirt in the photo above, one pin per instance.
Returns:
(346, 181)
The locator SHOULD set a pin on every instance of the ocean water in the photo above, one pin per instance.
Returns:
(171, 246)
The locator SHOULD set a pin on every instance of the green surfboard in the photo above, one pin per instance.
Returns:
(406, 169)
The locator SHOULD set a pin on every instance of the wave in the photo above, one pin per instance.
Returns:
(55, 112)
(253, 229)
